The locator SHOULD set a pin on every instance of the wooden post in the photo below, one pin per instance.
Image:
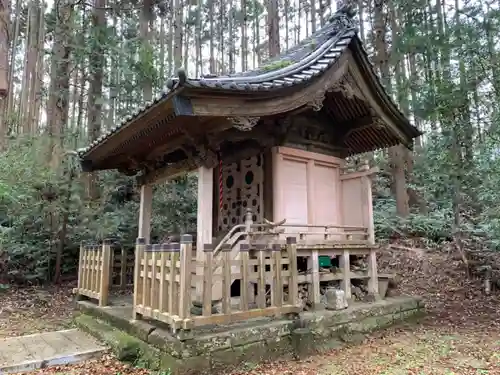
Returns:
(173, 285)
(207, 279)
(80, 267)
(345, 264)
(373, 273)
(277, 293)
(204, 218)
(248, 229)
(261, 277)
(163, 295)
(185, 276)
(139, 251)
(154, 290)
(123, 268)
(145, 212)
(367, 203)
(313, 260)
(244, 283)
(226, 279)
(105, 270)
(293, 283)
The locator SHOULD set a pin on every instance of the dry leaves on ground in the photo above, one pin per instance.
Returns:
(26, 310)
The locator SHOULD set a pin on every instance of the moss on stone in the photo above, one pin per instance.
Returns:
(124, 346)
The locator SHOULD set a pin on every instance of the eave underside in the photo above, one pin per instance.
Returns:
(341, 127)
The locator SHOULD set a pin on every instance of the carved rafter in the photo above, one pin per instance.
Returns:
(244, 123)
(317, 101)
(347, 86)
(348, 127)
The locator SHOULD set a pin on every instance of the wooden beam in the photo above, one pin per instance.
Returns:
(167, 172)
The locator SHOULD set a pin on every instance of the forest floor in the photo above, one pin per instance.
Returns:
(460, 335)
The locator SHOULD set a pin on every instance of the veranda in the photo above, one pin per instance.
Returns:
(280, 219)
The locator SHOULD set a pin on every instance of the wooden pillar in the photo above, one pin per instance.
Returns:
(345, 265)
(145, 212)
(367, 202)
(204, 217)
(313, 260)
(373, 273)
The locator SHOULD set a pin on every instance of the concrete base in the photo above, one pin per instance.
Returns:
(221, 347)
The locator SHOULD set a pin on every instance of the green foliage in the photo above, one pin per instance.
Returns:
(280, 64)
(33, 199)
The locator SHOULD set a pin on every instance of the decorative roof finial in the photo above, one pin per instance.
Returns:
(181, 73)
(343, 18)
(347, 9)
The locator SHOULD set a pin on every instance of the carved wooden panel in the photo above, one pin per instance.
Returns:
(242, 188)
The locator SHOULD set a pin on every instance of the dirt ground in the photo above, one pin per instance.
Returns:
(28, 310)
(460, 335)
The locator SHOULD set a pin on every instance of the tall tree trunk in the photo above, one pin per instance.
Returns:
(396, 153)
(177, 33)
(147, 49)
(244, 36)
(96, 70)
(58, 105)
(4, 46)
(4, 67)
(273, 27)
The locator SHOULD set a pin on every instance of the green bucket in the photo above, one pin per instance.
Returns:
(325, 261)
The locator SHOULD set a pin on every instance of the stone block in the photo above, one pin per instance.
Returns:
(223, 360)
(208, 343)
(251, 334)
(279, 348)
(303, 342)
(247, 355)
(409, 304)
(327, 344)
(335, 299)
(163, 340)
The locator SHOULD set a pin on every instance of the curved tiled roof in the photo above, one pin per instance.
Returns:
(307, 60)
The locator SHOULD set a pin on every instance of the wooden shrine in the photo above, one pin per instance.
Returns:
(275, 200)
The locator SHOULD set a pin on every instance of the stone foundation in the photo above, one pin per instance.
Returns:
(212, 349)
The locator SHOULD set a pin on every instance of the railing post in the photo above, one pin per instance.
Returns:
(185, 276)
(80, 267)
(139, 251)
(123, 268)
(106, 265)
(226, 279)
(248, 221)
(293, 283)
(207, 280)
(246, 288)
(345, 265)
(373, 273)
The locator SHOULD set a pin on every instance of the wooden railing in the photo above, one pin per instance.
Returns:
(94, 272)
(122, 268)
(163, 279)
(162, 282)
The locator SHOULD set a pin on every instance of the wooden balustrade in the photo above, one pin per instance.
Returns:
(163, 281)
(122, 268)
(94, 272)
